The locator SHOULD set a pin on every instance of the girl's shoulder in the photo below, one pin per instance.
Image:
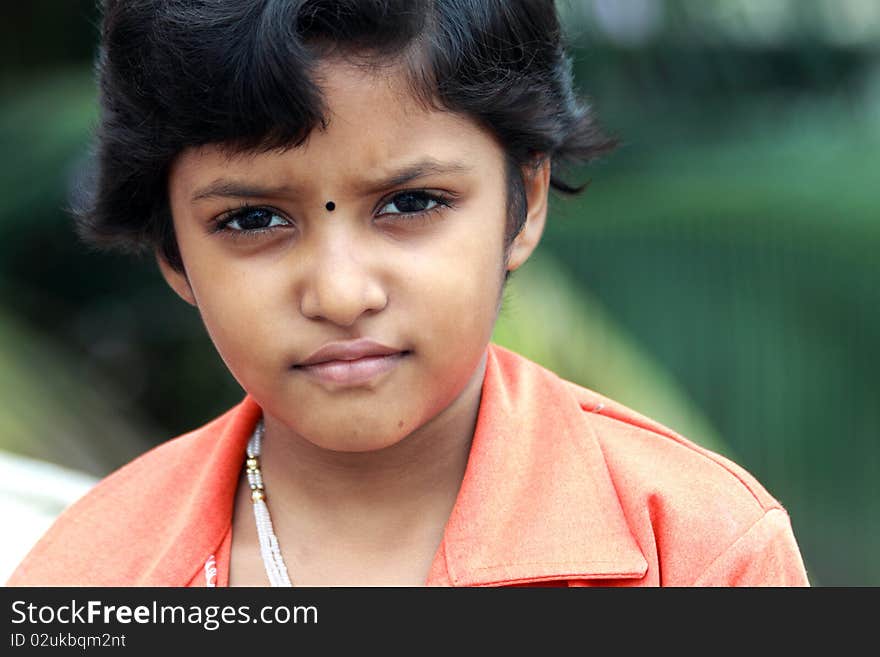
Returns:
(642, 448)
(697, 516)
(163, 507)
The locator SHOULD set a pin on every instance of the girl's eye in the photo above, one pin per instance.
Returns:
(253, 219)
(412, 203)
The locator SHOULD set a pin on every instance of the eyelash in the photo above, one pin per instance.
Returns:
(220, 224)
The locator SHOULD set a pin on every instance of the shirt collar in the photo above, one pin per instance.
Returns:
(202, 504)
(537, 501)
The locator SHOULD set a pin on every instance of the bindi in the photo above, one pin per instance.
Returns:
(330, 205)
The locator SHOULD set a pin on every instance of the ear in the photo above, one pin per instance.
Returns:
(537, 186)
(177, 280)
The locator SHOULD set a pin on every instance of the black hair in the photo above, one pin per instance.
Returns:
(180, 73)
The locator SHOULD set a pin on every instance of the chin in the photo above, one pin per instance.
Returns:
(360, 439)
(357, 447)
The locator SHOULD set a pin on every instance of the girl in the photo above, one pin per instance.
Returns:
(341, 188)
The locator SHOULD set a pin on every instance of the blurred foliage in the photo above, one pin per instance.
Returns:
(719, 275)
(552, 320)
(55, 411)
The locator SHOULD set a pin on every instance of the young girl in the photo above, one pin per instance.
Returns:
(341, 188)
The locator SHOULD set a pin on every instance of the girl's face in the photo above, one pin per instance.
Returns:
(386, 226)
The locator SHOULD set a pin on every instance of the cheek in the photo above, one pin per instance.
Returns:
(239, 307)
(457, 294)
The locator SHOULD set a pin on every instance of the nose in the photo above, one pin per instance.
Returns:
(341, 285)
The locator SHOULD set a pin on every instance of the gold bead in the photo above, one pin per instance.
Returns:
(252, 463)
(258, 495)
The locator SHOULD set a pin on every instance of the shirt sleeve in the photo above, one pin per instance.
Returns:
(766, 555)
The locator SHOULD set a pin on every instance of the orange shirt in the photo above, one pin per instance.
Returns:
(562, 486)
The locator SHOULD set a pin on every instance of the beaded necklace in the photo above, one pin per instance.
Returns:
(276, 570)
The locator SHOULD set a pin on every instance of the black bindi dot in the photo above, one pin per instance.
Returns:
(330, 206)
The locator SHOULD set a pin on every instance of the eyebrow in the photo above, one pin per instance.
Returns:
(422, 168)
(228, 188)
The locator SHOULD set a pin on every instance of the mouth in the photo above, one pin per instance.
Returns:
(351, 362)
(351, 372)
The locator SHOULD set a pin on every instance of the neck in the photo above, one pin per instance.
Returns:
(404, 486)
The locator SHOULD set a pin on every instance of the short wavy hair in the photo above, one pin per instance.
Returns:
(175, 74)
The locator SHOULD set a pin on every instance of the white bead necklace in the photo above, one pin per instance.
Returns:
(272, 559)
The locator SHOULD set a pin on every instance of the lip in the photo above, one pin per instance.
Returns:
(351, 362)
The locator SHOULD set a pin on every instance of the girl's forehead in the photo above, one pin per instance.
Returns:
(373, 98)
(374, 123)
